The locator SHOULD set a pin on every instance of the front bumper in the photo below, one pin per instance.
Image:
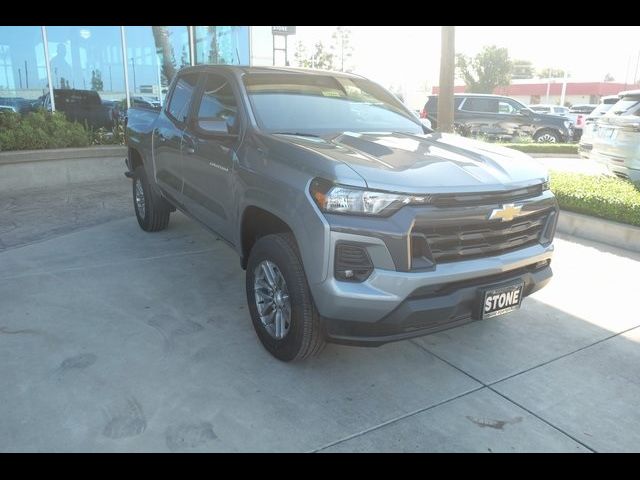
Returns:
(432, 309)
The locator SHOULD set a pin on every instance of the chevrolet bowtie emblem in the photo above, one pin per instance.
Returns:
(506, 213)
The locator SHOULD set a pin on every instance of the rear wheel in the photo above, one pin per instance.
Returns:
(152, 211)
(547, 136)
(282, 310)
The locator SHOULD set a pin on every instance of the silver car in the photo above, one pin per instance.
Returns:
(586, 140)
(616, 139)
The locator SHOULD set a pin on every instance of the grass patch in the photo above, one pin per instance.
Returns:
(605, 197)
(571, 148)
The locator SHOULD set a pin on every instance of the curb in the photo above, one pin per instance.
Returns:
(553, 155)
(600, 230)
(99, 151)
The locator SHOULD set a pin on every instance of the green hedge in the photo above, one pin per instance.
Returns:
(606, 197)
(544, 147)
(38, 130)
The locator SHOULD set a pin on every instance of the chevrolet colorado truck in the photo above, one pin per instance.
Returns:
(355, 223)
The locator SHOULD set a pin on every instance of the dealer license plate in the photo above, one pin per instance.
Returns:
(501, 300)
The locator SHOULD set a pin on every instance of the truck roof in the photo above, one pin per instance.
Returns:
(266, 69)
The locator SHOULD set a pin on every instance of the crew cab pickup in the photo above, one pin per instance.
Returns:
(355, 223)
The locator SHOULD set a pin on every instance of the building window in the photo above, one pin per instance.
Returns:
(154, 55)
(222, 45)
(87, 58)
(23, 70)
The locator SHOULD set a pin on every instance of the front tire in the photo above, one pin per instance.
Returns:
(547, 136)
(152, 211)
(280, 303)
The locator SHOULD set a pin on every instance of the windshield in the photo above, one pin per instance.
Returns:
(321, 104)
(626, 106)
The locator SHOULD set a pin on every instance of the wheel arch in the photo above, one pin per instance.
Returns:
(257, 222)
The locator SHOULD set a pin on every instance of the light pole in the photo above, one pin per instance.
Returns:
(133, 65)
(447, 75)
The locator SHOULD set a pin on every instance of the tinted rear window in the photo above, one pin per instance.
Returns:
(432, 103)
(481, 104)
(74, 97)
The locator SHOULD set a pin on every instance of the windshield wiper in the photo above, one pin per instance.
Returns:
(297, 134)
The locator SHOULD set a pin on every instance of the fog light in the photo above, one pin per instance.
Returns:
(352, 263)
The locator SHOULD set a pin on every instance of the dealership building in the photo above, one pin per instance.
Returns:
(124, 62)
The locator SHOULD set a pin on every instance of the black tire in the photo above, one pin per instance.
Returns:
(546, 133)
(157, 210)
(305, 336)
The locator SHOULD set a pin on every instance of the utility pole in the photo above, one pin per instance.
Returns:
(564, 88)
(447, 75)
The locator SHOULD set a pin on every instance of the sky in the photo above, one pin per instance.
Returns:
(409, 57)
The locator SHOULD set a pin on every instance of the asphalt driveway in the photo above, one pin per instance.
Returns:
(113, 339)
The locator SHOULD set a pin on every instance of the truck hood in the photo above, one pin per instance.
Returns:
(431, 163)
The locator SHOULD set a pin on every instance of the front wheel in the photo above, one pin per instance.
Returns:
(152, 211)
(547, 136)
(282, 310)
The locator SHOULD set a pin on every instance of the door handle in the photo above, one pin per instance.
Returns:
(190, 150)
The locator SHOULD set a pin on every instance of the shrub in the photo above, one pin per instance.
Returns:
(606, 197)
(38, 130)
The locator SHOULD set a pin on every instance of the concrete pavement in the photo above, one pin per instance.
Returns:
(113, 339)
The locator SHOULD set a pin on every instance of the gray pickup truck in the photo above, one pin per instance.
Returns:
(355, 223)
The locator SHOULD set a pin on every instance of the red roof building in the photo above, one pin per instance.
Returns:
(535, 91)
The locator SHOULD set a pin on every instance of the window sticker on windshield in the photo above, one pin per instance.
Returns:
(331, 93)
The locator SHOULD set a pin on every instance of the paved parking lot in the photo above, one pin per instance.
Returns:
(113, 339)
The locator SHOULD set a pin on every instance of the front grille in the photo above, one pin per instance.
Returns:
(484, 198)
(480, 239)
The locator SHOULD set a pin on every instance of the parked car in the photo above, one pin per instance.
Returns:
(586, 140)
(577, 114)
(550, 109)
(355, 223)
(500, 117)
(148, 102)
(17, 105)
(616, 139)
(82, 106)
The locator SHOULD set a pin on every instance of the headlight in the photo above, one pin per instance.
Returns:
(333, 198)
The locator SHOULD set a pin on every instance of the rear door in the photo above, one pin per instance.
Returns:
(479, 115)
(209, 158)
(167, 136)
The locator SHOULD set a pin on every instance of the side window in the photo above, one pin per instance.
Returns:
(480, 104)
(507, 107)
(218, 103)
(178, 107)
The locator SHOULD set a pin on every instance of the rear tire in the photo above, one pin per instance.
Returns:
(301, 335)
(152, 211)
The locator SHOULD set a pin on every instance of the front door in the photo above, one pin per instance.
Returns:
(208, 158)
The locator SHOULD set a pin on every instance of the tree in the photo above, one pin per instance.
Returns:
(549, 72)
(341, 48)
(300, 55)
(522, 69)
(609, 78)
(164, 48)
(96, 80)
(320, 59)
(489, 69)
